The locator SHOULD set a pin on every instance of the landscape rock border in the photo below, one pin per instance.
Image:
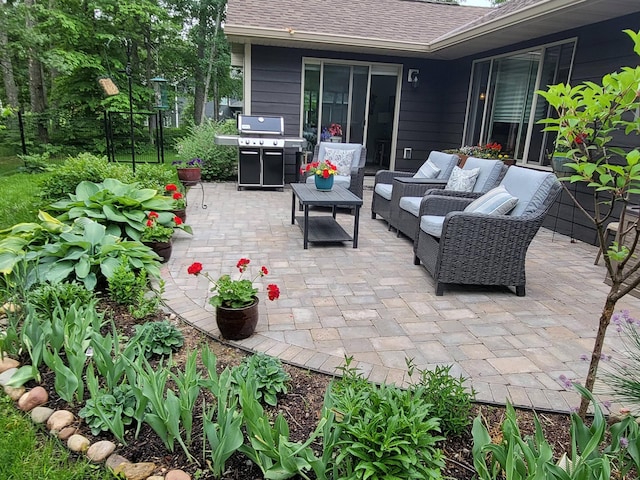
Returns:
(60, 423)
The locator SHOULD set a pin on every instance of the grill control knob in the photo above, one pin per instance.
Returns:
(275, 142)
(261, 142)
(247, 141)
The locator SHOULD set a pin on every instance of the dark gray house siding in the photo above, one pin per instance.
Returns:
(432, 116)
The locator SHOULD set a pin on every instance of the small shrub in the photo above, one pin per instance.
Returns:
(147, 302)
(269, 376)
(158, 338)
(219, 161)
(46, 296)
(110, 411)
(382, 431)
(449, 400)
(36, 163)
(125, 286)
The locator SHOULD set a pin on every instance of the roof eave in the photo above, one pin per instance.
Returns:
(302, 39)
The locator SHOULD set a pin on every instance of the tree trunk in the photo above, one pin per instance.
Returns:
(596, 354)
(36, 82)
(6, 65)
(207, 81)
(198, 74)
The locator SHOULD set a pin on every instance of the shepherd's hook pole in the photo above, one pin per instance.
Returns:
(131, 129)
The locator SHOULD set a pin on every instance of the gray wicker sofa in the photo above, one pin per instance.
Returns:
(484, 249)
(411, 184)
(405, 207)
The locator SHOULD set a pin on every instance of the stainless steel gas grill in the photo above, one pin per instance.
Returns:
(261, 144)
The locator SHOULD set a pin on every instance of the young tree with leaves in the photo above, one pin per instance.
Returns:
(593, 120)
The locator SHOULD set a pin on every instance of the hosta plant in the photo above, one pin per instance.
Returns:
(157, 338)
(269, 375)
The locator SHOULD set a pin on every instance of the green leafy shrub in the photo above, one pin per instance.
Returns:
(449, 400)
(219, 162)
(382, 431)
(158, 338)
(45, 296)
(595, 453)
(63, 179)
(110, 410)
(125, 286)
(268, 373)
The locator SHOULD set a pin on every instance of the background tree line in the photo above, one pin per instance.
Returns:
(52, 54)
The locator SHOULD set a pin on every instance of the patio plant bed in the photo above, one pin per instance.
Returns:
(301, 407)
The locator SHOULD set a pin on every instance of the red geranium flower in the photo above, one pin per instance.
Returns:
(177, 196)
(195, 268)
(153, 215)
(150, 223)
(242, 264)
(264, 270)
(171, 187)
(177, 220)
(273, 291)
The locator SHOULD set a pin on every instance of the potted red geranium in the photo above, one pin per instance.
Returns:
(236, 301)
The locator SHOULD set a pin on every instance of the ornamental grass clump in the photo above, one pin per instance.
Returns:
(235, 293)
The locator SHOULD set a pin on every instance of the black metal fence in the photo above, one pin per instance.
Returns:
(64, 133)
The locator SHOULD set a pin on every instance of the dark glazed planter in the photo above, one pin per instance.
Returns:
(182, 214)
(163, 249)
(189, 176)
(237, 323)
(558, 162)
(324, 184)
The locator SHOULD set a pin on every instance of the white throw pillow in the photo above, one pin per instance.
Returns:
(496, 201)
(462, 180)
(341, 158)
(427, 170)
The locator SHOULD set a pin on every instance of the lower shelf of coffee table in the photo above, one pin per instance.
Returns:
(324, 229)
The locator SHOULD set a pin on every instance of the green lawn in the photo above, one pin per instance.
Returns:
(20, 200)
(29, 453)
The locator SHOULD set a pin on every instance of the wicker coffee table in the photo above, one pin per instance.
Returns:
(324, 228)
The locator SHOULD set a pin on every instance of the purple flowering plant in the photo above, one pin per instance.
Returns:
(191, 163)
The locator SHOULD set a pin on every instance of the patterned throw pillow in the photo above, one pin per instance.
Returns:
(462, 180)
(496, 201)
(427, 170)
(342, 159)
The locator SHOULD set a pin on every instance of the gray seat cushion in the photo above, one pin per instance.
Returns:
(411, 205)
(530, 186)
(384, 190)
(445, 162)
(356, 147)
(432, 224)
(489, 173)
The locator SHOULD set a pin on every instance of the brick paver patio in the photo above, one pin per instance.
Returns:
(373, 304)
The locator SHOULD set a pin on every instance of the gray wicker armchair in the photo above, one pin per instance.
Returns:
(484, 249)
(405, 204)
(413, 184)
(355, 181)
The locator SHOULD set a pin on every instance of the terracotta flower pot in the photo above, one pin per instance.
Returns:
(237, 323)
(163, 249)
(189, 176)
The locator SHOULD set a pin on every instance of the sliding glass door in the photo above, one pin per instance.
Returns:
(503, 107)
(351, 96)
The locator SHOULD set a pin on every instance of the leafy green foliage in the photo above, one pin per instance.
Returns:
(125, 286)
(53, 251)
(46, 296)
(123, 208)
(109, 410)
(157, 338)
(516, 458)
(449, 399)
(219, 162)
(222, 423)
(591, 121)
(269, 375)
(269, 446)
(383, 431)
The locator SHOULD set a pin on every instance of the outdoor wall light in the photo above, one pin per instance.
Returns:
(482, 96)
(413, 77)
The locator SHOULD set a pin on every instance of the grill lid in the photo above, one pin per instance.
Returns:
(258, 125)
